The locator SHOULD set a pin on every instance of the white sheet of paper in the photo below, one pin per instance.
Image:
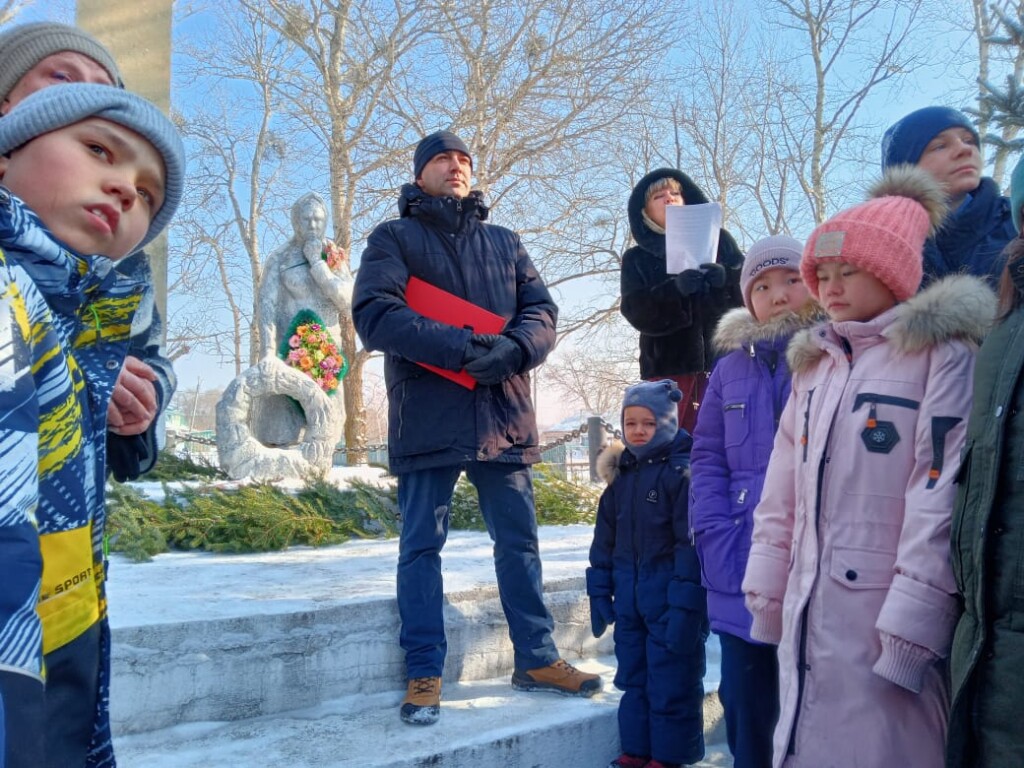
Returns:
(691, 235)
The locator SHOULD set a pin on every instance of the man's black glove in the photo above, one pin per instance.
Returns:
(691, 281)
(479, 345)
(714, 274)
(502, 362)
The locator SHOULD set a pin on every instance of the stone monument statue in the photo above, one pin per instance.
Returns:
(283, 416)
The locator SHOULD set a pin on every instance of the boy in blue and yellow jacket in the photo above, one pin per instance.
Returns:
(32, 379)
(88, 169)
(645, 578)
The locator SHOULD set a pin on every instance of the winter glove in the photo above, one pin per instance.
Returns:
(599, 588)
(714, 274)
(502, 362)
(124, 456)
(691, 281)
(685, 631)
(602, 613)
(479, 344)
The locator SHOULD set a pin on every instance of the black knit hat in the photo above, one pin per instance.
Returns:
(435, 144)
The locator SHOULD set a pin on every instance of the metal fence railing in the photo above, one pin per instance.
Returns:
(573, 454)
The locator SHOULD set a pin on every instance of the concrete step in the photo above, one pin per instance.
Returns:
(292, 659)
(483, 723)
(262, 664)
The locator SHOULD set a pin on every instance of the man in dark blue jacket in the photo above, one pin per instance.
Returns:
(438, 428)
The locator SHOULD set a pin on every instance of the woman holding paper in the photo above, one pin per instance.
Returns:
(676, 310)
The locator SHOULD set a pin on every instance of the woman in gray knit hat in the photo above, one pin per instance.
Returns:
(34, 56)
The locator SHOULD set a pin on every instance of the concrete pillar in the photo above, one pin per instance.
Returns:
(138, 33)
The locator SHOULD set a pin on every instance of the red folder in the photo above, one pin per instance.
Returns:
(430, 301)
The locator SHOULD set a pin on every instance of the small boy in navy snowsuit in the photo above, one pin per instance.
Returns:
(645, 578)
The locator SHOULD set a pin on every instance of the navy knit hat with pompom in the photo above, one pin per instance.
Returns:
(662, 399)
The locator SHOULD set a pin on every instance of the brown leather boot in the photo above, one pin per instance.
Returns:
(422, 702)
(560, 677)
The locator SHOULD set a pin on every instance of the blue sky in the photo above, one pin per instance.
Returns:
(939, 84)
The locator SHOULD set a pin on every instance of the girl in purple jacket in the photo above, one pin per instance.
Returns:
(731, 445)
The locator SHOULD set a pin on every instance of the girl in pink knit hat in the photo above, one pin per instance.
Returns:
(849, 569)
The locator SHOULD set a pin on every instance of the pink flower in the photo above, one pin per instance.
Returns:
(294, 341)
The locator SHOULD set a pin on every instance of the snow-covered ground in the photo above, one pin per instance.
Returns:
(179, 586)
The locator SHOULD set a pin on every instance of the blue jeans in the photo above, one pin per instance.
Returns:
(506, 501)
(749, 693)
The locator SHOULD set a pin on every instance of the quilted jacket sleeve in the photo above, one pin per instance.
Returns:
(764, 583)
(533, 327)
(651, 302)
(709, 483)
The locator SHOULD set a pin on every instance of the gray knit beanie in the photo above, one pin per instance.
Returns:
(53, 108)
(775, 252)
(25, 45)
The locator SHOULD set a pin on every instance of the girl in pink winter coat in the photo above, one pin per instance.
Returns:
(849, 569)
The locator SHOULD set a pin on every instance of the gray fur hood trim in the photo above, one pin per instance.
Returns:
(608, 461)
(738, 328)
(957, 307)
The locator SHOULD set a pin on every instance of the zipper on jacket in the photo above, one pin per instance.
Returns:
(847, 349)
(802, 668)
(741, 407)
(807, 423)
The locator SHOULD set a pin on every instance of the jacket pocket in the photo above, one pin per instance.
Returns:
(724, 547)
(736, 422)
(513, 413)
(858, 568)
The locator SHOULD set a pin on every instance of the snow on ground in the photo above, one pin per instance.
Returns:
(182, 586)
(185, 586)
(338, 475)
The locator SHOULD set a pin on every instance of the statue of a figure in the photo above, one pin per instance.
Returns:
(298, 276)
(280, 417)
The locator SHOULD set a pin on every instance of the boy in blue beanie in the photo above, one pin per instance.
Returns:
(944, 142)
(644, 577)
(91, 174)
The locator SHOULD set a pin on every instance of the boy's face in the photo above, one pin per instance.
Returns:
(850, 293)
(638, 425)
(56, 69)
(777, 292)
(95, 184)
